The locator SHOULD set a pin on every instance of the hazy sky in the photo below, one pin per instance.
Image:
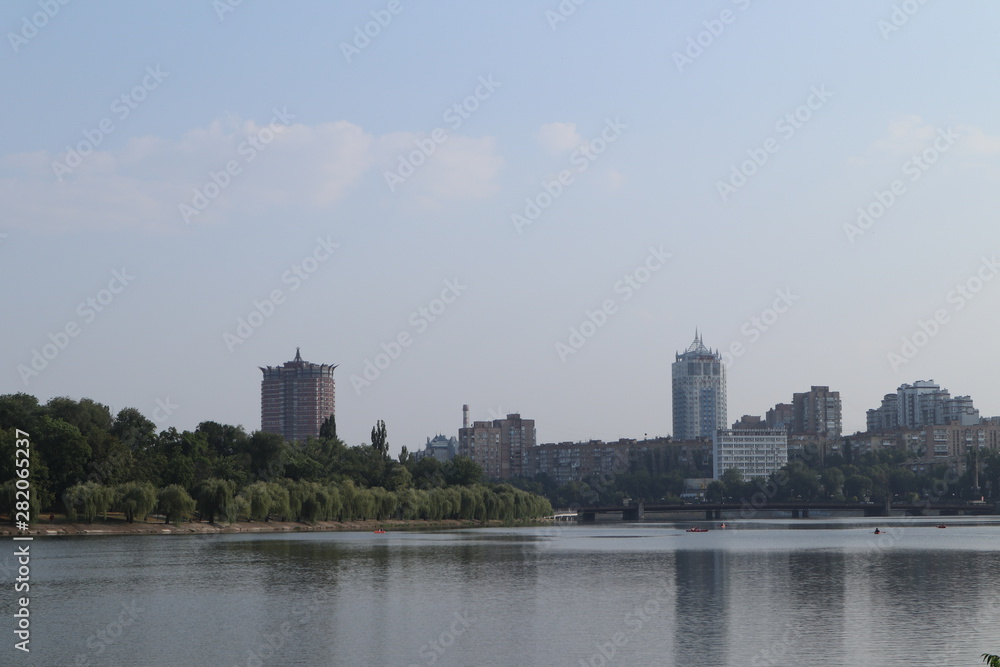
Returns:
(474, 179)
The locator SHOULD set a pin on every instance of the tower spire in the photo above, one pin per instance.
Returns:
(298, 357)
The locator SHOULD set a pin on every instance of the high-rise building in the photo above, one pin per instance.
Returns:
(924, 403)
(296, 398)
(817, 412)
(699, 392)
(499, 447)
(780, 416)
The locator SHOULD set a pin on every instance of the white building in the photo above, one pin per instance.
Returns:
(699, 392)
(754, 452)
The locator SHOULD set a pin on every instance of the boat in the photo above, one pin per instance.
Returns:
(697, 530)
(380, 531)
(722, 525)
(941, 525)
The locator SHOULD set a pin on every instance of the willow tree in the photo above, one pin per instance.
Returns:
(135, 500)
(175, 502)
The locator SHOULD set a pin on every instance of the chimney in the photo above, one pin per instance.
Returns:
(465, 416)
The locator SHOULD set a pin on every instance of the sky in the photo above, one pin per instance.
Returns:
(522, 206)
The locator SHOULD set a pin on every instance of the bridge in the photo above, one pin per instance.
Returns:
(800, 509)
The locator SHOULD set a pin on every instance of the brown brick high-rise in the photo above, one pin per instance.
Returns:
(296, 398)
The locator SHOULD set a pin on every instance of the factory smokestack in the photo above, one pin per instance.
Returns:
(465, 416)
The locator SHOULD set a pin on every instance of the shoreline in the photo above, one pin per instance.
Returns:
(113, 527)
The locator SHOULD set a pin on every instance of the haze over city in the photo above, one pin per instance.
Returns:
(526, 208)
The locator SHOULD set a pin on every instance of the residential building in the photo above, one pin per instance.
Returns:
(754, 452)
(296, 398)
(817, 412)
(780, 416)
(699, 392)
(566, 462)
(924, 403)
(499, 446)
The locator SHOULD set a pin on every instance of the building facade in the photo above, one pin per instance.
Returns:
(698, 380)
(441, 448)
(923, 403)
(566, 462)
(754, 452)
(296, 398)
(499, 446)
(817, 412)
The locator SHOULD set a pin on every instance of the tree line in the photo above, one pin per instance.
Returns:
(87, 462)
(870, 477)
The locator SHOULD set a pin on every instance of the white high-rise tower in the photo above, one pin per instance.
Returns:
(699, 388)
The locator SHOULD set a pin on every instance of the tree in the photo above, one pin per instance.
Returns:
(991, 660)
(175, 502)
(380, 442)
(89, 499)
(328, 429)
(462, 471)
(214, 496)
(65, 452)
(135, 500)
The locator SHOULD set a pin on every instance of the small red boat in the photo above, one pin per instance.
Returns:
(941, 525)
(379, 531)
(697, 530)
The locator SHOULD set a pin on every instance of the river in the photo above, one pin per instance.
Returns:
(783, 592)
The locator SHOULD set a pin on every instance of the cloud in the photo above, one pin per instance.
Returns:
(224, 171)
(911, 134)
(559, 137)
(458, 168)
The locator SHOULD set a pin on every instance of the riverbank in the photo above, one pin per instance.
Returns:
(46, 528)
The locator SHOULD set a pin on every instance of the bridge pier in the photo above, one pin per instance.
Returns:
(633, 513)
(586, 517)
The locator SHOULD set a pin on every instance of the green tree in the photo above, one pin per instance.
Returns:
(135, 500)
(174, 501)
(213, 497)
(65, 452)
(380, 442)
(328, 429)
(89, 499)
(857, 486)
(462, 471)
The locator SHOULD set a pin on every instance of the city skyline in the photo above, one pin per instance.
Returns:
(537, 229)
